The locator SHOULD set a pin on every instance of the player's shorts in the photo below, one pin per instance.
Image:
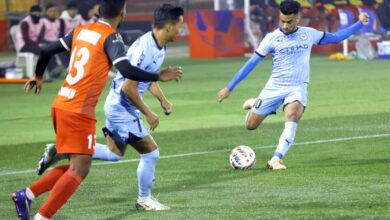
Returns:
(75, 133)
(126, 132)
(271, 98)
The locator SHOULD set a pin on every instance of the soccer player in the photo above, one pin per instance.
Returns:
(290, 46)
(124, 105)
(94, 49)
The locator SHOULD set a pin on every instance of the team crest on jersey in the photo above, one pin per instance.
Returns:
(303, 36)
(118, 38)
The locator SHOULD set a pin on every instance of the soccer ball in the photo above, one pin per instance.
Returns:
(242, 157)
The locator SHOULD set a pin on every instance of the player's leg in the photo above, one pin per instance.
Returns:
(66, 185)
(253, 120)
(109, 151)
(248, 104)
(113, 150)
(23, 198)
(149, 154)
(267, 103)
(78, 142)
(294, 108)
(49, 158)
(116, 134)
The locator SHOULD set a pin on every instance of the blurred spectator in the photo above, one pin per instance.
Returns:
(259, 15)
(384, 14)
(54, 27)
(70, 16)
(370, 3)
(31, 32)
(89, 13)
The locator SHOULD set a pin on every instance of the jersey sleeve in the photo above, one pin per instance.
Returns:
(265, 46)
(138, 54)
(115, 48)
(66, 41)
(315, 35)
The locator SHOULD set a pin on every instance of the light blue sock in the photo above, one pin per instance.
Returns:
(102, 152)
(145, 172)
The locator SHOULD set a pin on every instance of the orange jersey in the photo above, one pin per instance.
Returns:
(89, 65)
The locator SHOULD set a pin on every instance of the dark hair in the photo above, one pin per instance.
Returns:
(35, 8)
(289, 7)
(72, 5)
(111, 8)
(167, 13)
(50, 6)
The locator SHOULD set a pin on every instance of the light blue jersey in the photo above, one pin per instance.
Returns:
(122, 117)
(290, 55)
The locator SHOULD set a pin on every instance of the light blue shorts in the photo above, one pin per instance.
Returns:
(271, 98)
(126, 132)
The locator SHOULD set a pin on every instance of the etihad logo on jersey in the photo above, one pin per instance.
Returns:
(294, 49)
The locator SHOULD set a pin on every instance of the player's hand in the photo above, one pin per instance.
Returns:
(37, 82)
(363, 17)
(152, 120)
(223, 94)
(167, 107)
(171, 73)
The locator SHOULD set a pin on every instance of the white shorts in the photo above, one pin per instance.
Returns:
(271, 98)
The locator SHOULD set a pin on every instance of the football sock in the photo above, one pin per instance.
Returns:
(46, 182)
(30, 195)
(102, 152)
(286, 139)
(66, 185)
(40, 217)
(145, 172)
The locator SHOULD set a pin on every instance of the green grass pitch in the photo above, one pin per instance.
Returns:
(339, 167)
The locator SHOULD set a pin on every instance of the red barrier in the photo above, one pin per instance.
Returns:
(4, 35)
(215, 34)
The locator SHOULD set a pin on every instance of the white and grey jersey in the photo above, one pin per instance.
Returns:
(146, 55)
(290, 55)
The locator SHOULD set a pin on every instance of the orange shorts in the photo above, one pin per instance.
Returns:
(75, 133)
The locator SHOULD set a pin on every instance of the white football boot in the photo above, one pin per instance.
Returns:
(150, 204)
(276, 164)
(48, 158)
(248, 104)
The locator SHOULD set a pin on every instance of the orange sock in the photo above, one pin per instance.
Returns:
(47, 182)
(61, 192)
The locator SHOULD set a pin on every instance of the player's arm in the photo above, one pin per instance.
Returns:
(157, 92)
(115, 50)
(341, 35)
(130, 89)
(240, 75)
(63, 44)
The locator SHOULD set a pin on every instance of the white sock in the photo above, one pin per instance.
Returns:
(30, 195)
(286, 139)
(40, 217)
(145, 172)
(102, 152)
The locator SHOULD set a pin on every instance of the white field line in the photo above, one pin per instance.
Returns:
(216, 151)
